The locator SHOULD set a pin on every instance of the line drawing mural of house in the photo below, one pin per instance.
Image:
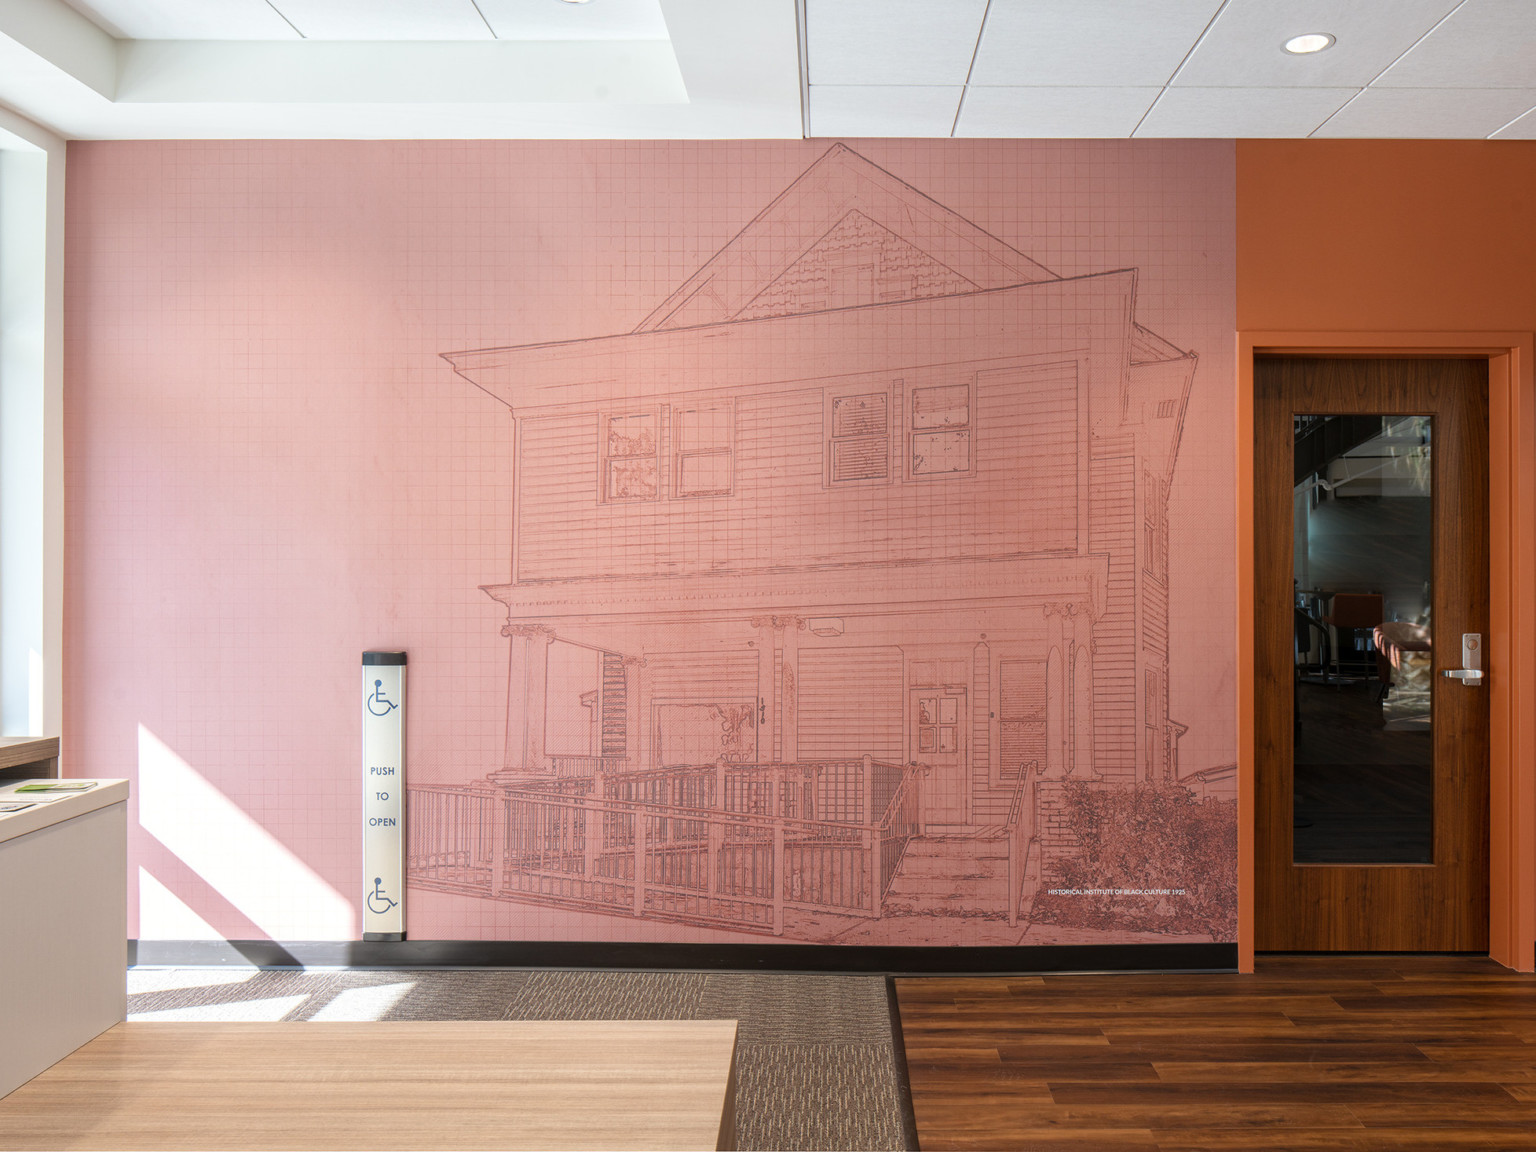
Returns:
(840, 565)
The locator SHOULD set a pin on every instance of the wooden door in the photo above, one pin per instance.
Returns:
(938, 740)
(1305, 902)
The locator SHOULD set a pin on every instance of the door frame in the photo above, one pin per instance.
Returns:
(1512, 612)
(931, 785)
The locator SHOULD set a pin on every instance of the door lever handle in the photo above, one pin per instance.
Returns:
(1471, 671)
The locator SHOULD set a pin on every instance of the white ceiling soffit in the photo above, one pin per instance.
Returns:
(1212, 68)
(403, 68)
(376, 19)
(384, 19)
(628, 69)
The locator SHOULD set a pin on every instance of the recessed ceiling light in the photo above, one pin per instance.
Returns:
(574, 1)
(1311, 42)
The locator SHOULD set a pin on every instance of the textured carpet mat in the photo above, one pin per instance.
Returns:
(815, 1059)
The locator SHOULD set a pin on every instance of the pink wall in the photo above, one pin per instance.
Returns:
(272, 467)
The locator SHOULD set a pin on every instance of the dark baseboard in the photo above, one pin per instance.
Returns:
(696, 957)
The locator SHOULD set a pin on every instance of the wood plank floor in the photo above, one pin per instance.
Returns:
(530, 1084)
(1309, 1053)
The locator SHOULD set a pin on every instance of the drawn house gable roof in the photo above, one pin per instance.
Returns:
(845, 233)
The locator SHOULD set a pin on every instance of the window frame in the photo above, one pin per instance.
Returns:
(604, 457)
(677, 453)
(913, 432)
(831, 441)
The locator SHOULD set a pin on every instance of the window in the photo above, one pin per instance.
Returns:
(938, 724)
(630, 465)
(941, 432)
(858, 437)
(704, 442)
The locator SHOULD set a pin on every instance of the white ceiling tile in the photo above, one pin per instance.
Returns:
(1245, 112)
(1486, 44)
(550, 20)
(1429, 113)
(883, 110)
(187, 19)
(1041, 112)
(1523, 128)
(385, 19)
(1088, 42)
(891, 41)
(1244, 46)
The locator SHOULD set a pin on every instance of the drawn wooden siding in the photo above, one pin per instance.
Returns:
(704, 677)
(851, 703)
(781, 512)
(1113, 532)
(613, 706)
(1154, 604)
(1020, 715)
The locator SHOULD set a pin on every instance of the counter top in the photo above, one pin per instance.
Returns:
(44, 810)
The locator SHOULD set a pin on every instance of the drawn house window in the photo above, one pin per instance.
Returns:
(941, 432)
(938, 720)
(1021, 716)
(631, 464)
(1152, 704)
(858, 437)
(704, 449)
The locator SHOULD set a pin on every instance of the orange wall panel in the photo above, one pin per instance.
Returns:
(1413, 246)
(1388, 235)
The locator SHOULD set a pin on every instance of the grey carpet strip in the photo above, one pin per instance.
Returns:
(816, 1064)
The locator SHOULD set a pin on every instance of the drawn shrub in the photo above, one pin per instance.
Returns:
(1135, 841)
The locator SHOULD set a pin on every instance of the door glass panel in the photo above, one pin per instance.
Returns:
(1363, 781)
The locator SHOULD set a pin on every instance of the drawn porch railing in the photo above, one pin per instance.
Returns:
(734, 846)
(1021, 836)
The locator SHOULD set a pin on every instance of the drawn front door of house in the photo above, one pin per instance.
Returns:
(938, 740)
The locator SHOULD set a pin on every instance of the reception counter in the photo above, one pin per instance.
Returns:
(63, 922)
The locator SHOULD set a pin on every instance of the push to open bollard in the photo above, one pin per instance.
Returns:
(383, 795)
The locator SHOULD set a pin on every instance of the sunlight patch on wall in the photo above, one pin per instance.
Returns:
(163, 915)
(232, 853)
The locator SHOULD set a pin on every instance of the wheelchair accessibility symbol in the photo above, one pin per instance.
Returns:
(380, 704)
(378, 903)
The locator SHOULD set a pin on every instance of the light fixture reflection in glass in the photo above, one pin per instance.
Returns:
(1306, 45)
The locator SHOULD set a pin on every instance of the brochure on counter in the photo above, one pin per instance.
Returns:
(29, 792)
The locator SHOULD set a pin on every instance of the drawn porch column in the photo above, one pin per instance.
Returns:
(527, 684)
(789, 689)
(1055, 691)
(637, 715)
(1068, 710)
(1082, 691)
